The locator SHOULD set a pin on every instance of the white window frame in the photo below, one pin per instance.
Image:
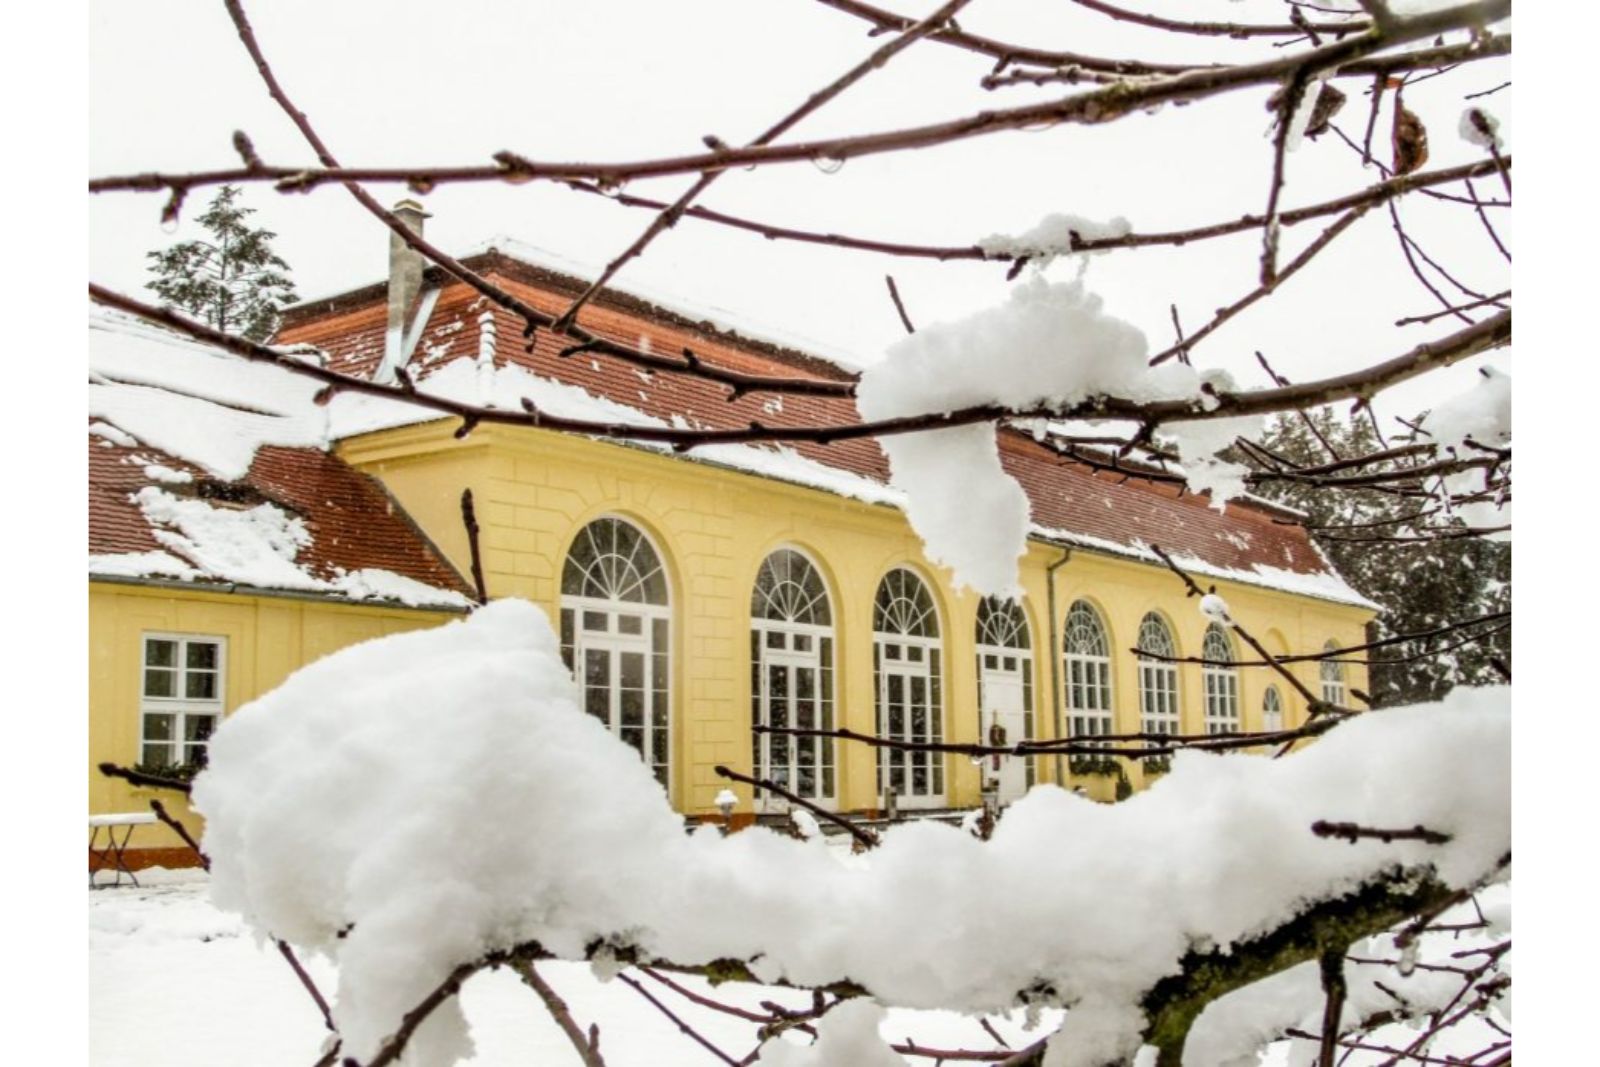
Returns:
(614, 642)
(182, 708)
(1159, 702)
(904, 665)
(1221, 683)
(1272, 709)
(1022, 667)
(765, 656)
(1087, 673)
(1333, 677)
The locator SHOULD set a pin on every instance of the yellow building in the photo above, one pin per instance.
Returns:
(696, 593)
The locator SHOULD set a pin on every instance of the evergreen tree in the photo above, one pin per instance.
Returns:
(233, 282)
(1421, 584)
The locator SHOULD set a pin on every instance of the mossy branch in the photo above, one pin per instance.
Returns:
(1173, 1004)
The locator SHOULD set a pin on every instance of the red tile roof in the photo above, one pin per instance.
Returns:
(353, 523)
(1069, 500)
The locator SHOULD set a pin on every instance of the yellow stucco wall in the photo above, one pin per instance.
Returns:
(266, 638)
(536, 489)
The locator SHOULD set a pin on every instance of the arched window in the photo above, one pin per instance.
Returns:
(907, 670)
(1333, 689)
(1271, 709)
(1005, 690)
(1086, 663)
(1221, 682)
(791, 675)
(1158, 682)
(616, 635)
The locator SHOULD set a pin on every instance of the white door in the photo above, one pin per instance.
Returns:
(791, 687)
(906, 700)
(614, 671)
(1004, 723)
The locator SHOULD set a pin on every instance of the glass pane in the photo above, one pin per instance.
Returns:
(159, 653)
(597, 684)
(160, 683)
(200, 686)
(566, 636)
(201, 655)
(802, 642)
(195, 755)
(630, 624)
(775, 638)
(156, 755)
(633, 670)
(914, 654)
(596, 620)
(659, 745)
(198, 727)
(632, 707)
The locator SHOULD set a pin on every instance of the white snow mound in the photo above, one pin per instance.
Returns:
(420, 793)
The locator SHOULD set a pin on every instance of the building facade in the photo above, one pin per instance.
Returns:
(700, 593)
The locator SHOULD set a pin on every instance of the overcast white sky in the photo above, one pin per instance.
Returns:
(409, 82)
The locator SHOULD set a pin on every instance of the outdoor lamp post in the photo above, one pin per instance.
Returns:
(726, 801)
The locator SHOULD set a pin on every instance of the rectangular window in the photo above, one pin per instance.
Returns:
(180, 702)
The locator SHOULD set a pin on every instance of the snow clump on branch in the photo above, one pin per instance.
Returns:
(406, 806)
(1480, 415)
(1055, 235)
(1049, 345)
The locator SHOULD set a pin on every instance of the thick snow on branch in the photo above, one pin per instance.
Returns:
(1481, 415)
(1048, 344)
(408, 804)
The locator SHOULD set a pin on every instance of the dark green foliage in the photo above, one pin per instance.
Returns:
(1422, 585)
(233, 281)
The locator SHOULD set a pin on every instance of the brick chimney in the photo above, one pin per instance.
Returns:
(405, 269)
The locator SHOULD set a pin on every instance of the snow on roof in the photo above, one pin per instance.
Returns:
(190, 400)
(228, 481)
(1068, 502)
(731, 324)
(1326, 585)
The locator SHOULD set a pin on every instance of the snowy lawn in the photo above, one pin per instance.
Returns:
(176, 982)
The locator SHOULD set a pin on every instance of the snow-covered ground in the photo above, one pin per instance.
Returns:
(175, 982)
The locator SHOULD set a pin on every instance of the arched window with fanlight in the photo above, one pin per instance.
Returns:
(1333, 685)
(616, 630)
(1272, 710)
(1005, 691)
(1158, 681)
(1221, 680)
(1086, 676)
(791, 677)
(907, 669)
